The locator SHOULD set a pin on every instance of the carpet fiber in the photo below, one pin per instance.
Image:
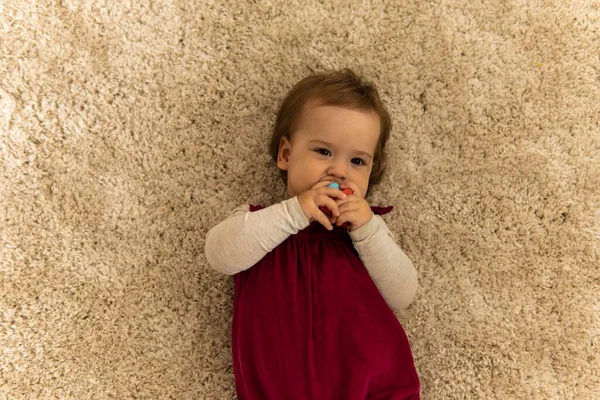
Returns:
(128, 129)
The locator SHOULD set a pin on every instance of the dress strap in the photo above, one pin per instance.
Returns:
(255, 207)
(381, 210)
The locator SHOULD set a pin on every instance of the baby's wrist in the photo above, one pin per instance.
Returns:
(297, 210)
(365, 230)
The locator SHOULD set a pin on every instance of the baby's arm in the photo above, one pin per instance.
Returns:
(391, 270)
(244, 238)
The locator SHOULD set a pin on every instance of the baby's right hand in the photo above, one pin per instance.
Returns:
(320, 195)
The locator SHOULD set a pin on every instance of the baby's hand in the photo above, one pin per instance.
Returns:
(320, 195)
(355, 210)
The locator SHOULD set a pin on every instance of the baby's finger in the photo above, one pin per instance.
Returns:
(342, 219)
(327, 205)
(349, 199)
(323, 220)
(333, 192)
(320, 184)
(348, 206)
(332, 205)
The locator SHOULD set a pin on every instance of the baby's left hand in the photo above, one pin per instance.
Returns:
(354, 209)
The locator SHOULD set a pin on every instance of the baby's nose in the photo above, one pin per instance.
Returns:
(338, 171)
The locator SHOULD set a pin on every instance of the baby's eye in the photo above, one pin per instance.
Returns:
(324, 152)
(358, 161)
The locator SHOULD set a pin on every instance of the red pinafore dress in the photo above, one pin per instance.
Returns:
(309, 323)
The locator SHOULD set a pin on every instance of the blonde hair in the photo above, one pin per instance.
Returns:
(340, 88)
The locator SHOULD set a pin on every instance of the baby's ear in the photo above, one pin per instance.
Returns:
(284, 153)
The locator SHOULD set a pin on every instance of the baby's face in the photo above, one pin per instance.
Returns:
(330, 143)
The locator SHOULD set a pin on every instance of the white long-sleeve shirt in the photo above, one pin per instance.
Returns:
(245, 237)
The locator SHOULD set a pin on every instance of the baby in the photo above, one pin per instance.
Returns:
(315, 294)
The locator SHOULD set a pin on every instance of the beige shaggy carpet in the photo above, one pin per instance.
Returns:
(129, 128)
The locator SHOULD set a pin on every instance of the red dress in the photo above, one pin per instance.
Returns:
(309, 323)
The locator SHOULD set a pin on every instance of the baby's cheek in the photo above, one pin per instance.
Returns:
(363, 190)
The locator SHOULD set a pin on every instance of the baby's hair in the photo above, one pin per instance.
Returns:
(340, 88)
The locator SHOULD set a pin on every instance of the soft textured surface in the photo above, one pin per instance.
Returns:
(128, 129)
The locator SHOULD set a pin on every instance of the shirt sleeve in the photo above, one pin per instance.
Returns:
(391, 270)
(245, 237)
